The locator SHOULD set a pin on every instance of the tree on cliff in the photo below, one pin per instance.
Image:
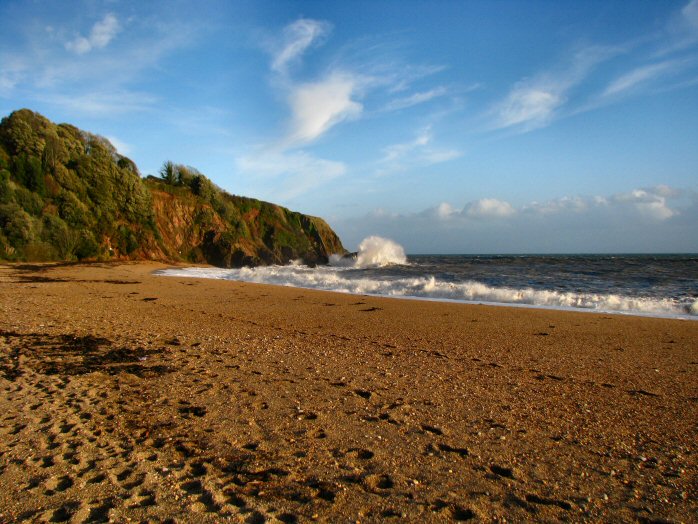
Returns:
(168, 172)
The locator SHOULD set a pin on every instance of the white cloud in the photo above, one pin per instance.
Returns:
(103, 31)
(336, 96)
(641, 220)
(318, 106)
(667, 191)
(531, 104)
(45, 74)
(12, 69)
(415, 153)
(640, 75)
(535, 102)
(437, 156)
(101, 34)
(649, 203)
(652, 203)
(399, 77)
(102, 103)
(397, 151)
(298, 37)
(488, 208)
(122, 147)
(293, 173)
(416, 98)
(565, 204)
(443, 211)
(690, 13)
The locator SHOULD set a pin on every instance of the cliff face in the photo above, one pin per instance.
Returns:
(66, 194)
(238, 231)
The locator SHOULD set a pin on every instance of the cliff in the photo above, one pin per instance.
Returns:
(233, 231)
(66, 194)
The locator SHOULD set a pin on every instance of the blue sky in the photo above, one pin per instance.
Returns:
(462, 127)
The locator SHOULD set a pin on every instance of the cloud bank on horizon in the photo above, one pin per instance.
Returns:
(618, 223)
(458, 129)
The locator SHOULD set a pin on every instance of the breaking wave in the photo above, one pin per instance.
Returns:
(373, 251)
(346, 280)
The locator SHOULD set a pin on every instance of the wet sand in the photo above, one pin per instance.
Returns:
(133, 397)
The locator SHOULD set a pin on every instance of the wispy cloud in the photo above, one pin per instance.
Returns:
(40, 70)
(643, 75)
(101, 103)
(400, 77)
(398, 151)
(535, 102)
(315, 107)
(297, 38)
(334, 96)
(122, 147)
(319, 106)
(539, 100)
(529, 103)
(415, 99)
(293, 173)
(690, 14)
(12, 70)
(101, 34)
(419, 152)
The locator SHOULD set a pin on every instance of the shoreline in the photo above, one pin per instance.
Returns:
(130, 396)
(635, 313)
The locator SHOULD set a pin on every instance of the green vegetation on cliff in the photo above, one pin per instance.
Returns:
(66, 194)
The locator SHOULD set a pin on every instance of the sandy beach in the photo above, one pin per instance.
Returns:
(133, 397)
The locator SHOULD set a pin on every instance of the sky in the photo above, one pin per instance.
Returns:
(449, 126)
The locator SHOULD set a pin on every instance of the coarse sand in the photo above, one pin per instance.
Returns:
(128, 396)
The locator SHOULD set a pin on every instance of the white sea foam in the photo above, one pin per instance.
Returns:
(379, 252)
(373, 251)
(359, 275)
(337, 279)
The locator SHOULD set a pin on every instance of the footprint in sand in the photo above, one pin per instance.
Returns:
(363, 393)
(461, 514)
(536, 499)
(502, 471)
(197, 469)
(134, 483)
(34, 482)
(95, 511)
(360, 453)
(144, 498)
(97, 479)
(57, 484)
(62, 514)
(378, 482)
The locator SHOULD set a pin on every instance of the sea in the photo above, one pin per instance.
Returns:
(663, 285)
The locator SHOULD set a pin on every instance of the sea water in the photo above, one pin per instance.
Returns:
(653, 285)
